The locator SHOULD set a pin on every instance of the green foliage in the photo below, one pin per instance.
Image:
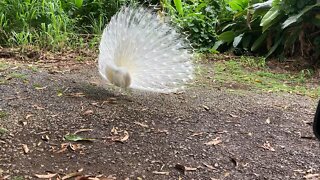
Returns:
(197, 18)
(285, 28)
(53, 24)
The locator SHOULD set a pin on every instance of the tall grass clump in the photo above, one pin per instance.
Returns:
(54, 24)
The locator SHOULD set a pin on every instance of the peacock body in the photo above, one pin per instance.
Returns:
(139, 50)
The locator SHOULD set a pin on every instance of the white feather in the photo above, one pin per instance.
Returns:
(150, 52)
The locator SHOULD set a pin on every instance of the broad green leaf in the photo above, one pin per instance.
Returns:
(271, 15)
(257, 43)
(237, 40)
(227, 26)
(217, 45)
(238, 5)
(78, 3)
(178, 5)
(227, 36)
(74, 137)
(295, 18)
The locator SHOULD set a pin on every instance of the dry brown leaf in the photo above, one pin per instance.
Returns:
(160, 173)
(24, 123)
(141, 124)
(114, 130)
(38, 107)
(64, 147)
(267, 146)
(25, 148)
(45, 176)
(110, 177)
(28, 116)
(110, 101)
(87, 112)
(206, 107)
(233, 115)
(183, 168)
(45, 137)
(197, 134)
(74, 174)
(126, 136)
(214, 142)
(208, 166)
(162, 131)
(190, 168)
(79, 94)
(5, 177)
(40, 88)
(312, 176)
(268, 121)
(75, 147)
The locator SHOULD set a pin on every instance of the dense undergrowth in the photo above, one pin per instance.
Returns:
(278, 28)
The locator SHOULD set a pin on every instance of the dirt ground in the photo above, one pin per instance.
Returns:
(204, 132)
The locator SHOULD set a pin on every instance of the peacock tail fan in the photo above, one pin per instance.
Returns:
(139, 50)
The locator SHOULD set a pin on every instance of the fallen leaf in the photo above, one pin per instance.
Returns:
(233, 115)
(126, 136)
(28, 116)
(88, 112)
(141, 124)
(40, 88)
(25, 148)
(24, 123)
(258, 81)
(214, 142)
(190, 168)
(79, 94)
(311, 176)
(59, 94)
(114, 130)
(160, 173)
(197, 134)
(74, 174)
(268, 121)
(110, 101)
(74, 147)
(45, 176)
(183, 168)
(63, 147)
(162, 131)
(38, 107)
(267, 146)
(206, 107)
(74, 137)
(208, 166)
(45, 137)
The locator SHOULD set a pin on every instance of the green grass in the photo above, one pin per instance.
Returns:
(3, 114)
(16, 75)
(54, 24)
(3, 66)
(258, 77)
